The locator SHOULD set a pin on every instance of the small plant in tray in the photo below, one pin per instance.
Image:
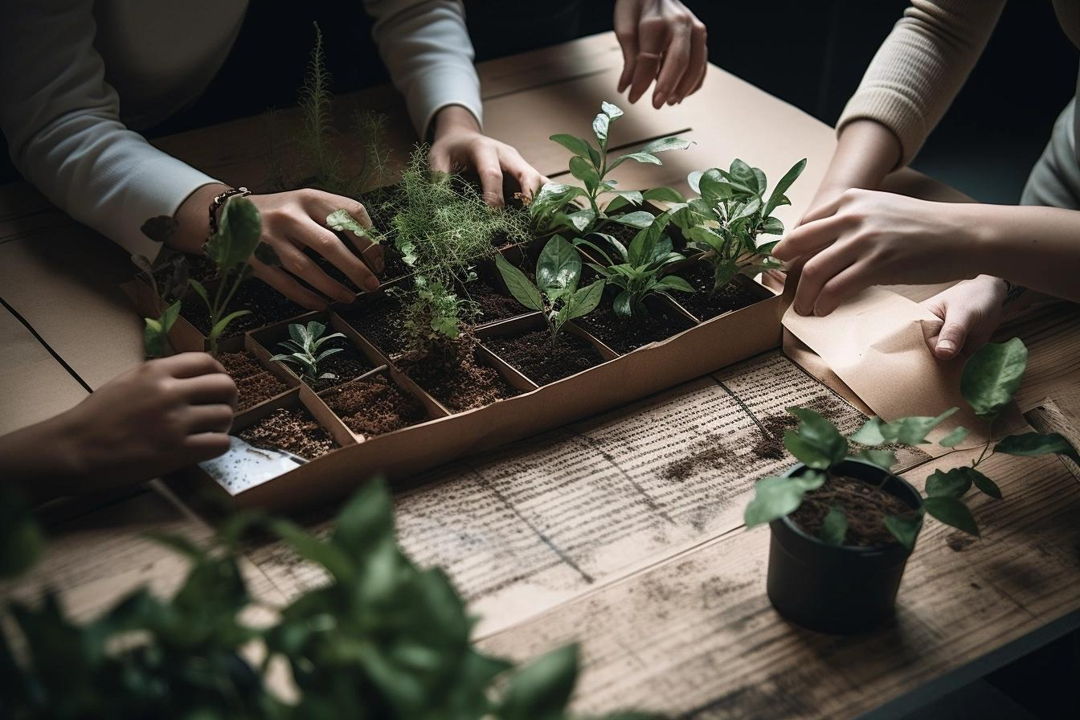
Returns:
(555, 293)
(843, 525)
(304, 350)
(169, 293)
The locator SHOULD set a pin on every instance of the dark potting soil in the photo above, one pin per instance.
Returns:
(865, 506)
(375, 406)
(531, 354)
(623, 336)
(254, 383)
(346, 365)
(708, 453)
(379, 319)
(293, 431)
(457, 379)
(494, 305)
(200, 268)
(705, 304)
(266, 304)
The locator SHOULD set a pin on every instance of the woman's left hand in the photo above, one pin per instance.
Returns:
(968, 314)
(866, 238)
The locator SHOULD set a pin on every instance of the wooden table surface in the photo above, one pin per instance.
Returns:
(690, 635)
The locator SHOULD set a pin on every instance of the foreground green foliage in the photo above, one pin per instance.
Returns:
(156, 330)
(555, 293)
(729, 215)
(303, 348)
(990, 379)
(382, 640)
(554, 206)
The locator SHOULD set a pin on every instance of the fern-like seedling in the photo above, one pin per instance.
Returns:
(303, 350)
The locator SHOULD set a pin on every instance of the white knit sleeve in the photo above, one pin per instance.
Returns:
(62, 123)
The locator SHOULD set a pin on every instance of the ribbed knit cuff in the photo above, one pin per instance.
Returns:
(440, 87)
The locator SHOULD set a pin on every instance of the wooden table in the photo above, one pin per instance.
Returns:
(689, 634)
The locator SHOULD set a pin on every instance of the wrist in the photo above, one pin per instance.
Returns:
(454, 117)
(194, 220)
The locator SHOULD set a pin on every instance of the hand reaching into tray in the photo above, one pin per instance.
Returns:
(156, 418)
(663, 41)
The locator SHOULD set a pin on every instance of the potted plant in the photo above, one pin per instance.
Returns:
(843, 526)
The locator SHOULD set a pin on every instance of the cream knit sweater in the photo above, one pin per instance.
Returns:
(921, 66)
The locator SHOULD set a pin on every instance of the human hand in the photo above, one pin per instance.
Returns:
(969, 313)
(156, 418)
(460, 143)
(866, 238)
(661, 40)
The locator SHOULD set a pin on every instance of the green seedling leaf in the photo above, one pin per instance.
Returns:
(777, 497)
(585, 300)
(519, 285)
(816, 442)
(218, 329)
(612, 111)
(954, 438)
(161, 228)
(664, 194)
(576, 145)
(640, 157)
(638, 218)
(870, 433)
(558, 268)
(952, 511)
(693, 179)
(676, 283)
(782, 187)
(600, 126)
(623, 305)
(666, 144)
(913, 430)
(237, 236)
(953, 483)
(834, 527)
(985, 484)
(904, 529)
(341, 221)
(583, 170)
(1034, 443)
(884, 459)
(200, 290)
(993, 375)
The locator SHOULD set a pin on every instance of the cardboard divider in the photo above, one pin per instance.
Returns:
(435, 408)
(508, 372)
(531, 322)
(326, 417)
(434, 412)
(278, 370)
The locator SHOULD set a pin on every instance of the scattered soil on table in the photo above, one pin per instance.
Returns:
(623, 336)
(379, 319)
(707, 453)
(704, 304)
(531, 354)
(959, 543)
(344, 366)
(293, 431)
(266, 304)
(865, 506)
(456, 378)
(254, 383)
(375, 406)
(494, 305)
(770, 444)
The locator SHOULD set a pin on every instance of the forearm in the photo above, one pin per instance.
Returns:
(193, 218)
(866, 152)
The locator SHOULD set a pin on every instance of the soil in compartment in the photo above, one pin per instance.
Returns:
(532, 354)
(494, 304)
(865, 506)
(293, 431)
(200, 268)
(375, 406)
(346, 365)
(705, 304)
(254, 383)
(623, 336)
(456, 378)
(266, 304)
(379, 318)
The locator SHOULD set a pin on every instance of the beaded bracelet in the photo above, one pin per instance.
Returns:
(219, 200)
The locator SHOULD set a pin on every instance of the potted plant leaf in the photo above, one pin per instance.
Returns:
(843, 526)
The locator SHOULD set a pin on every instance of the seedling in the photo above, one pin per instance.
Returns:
(156, 330)
(303, 350)
(990, 379)
(434, 314)
(637, 270)
(555, 293)
(590, 165)
(729, 216)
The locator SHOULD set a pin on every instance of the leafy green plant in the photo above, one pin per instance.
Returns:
(434, 315)
(554, 205)
(555, 293)
(383, 639)
(729, 215)
(156, 330)
(303, 349)
(990, 379)
(637, 270)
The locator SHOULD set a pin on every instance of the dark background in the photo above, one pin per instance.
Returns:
(811, 54)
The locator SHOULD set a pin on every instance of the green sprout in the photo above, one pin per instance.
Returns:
(303, 347)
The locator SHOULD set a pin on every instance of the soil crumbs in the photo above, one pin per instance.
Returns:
(380, 320)
(531, 354)
(375, 406)
(708, 452)
(293, 431)
(624, 336)
(865, 506)
(266, 304)
(254, 383)
(494, 305)
(457, 379)
(346, 365)
(705, 304)
(770, 446)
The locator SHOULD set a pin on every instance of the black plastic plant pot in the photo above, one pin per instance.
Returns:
(837, 589)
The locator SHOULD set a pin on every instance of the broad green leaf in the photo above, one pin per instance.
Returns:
(985, 484)
(576, 145)
(884, 459)
(638, 219)
(601, 253)
(816, 442)
(331, 557)
(200, 290)
(760, 182)
(583, 170)
(713, 187)
(723, 272)
(542, 688)
(870, 433)
(953, 512)
(600, 126)
(623, 305)
(742, 171)
(953, 483)
(954, 438)
(641, 157)
(693, 179)
(913, 430)
(632, 197)
(676, 283)
(834, 527)
(904, 529)
(782, 187)
(558, 268)
(577, 221)
(341, 221)
(1034, 443)
(612, 111)
(664, 194)
(215, 332)
(585, 300)
(772, 226)
(519, 285)
(237, 236)
(666, 144)
(777, 497)
(169, 317)
(992, 376)
(153, 338)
